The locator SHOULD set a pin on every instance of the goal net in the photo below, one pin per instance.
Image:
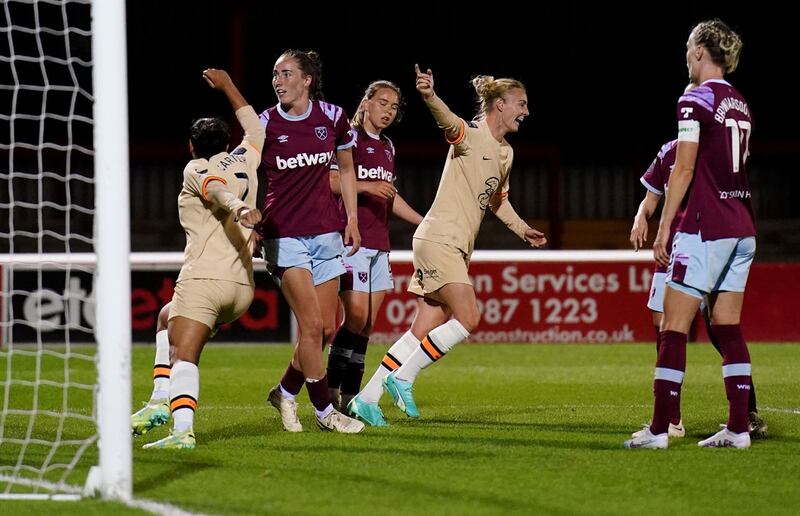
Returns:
(52, 180)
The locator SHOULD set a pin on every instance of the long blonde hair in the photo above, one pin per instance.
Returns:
(489, 89)
(722, 43)
(372, 89)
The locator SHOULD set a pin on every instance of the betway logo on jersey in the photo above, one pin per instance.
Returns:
(303, 160)
(374, 173)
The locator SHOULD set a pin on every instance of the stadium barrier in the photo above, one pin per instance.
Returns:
(524, 296)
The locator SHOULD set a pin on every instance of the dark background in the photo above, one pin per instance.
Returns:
(602, 79)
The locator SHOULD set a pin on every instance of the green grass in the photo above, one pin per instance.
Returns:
(505, 429)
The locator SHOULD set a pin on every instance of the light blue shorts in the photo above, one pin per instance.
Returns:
(321, 255)
(698, 268)
(658, 287)
(367, 271)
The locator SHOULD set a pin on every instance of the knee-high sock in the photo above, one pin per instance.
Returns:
(184, 389)
(736, 371)
(319, 395)
(292, 382)
(392, 360)
(670, 368)
(351, 383)
(434, 346)
(341, 350)
(675, 415)
(752, 406)
(161, 368)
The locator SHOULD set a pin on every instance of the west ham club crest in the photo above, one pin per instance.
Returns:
(321, 132)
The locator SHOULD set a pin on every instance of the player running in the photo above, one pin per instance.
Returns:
(474, 180)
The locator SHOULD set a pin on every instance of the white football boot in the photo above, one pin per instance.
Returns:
(287, 409)
(726, 439)
(644, 438)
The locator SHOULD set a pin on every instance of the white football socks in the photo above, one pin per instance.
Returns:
(394, 358)
(433, 347)
(161, 368)
(184, 389)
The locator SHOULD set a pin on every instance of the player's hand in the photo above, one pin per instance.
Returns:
(352, 236)
(639, 233)
(382, 189)
(424, 82)
(535, 238)
(660, 251)
(217, 79)
(248, 217)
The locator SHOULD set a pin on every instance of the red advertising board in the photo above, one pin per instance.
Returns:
(57, 306)
(561, 297)
(555, 302)
(769, 314)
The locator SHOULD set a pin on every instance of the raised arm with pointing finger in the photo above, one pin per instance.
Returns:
(449, 122)
(474, 180)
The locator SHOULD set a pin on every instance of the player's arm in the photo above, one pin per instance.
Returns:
(402, 209)
(254, 131)
(382, 189)
(347, 186)
(679, 182)
(215, 190)
(453, 126)
(646, 209)
(508, 215)
(692, 110)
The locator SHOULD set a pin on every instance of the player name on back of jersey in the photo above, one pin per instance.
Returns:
(727, 104)
(303, 159)
(229, 160)
(374, 173)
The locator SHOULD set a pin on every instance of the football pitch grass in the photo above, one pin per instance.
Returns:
(505, 429)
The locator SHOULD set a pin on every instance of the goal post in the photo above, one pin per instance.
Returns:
(112, 226)
(64, 251)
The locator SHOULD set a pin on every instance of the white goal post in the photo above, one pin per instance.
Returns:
(112, 226)
(64, 188)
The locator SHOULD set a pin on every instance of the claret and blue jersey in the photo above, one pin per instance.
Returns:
(718, 204)
(297, 155)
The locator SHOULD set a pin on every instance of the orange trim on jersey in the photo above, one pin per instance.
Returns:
(208, 180)
(501, 195)
(458, 138)
(431, 349)
(391, 364)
